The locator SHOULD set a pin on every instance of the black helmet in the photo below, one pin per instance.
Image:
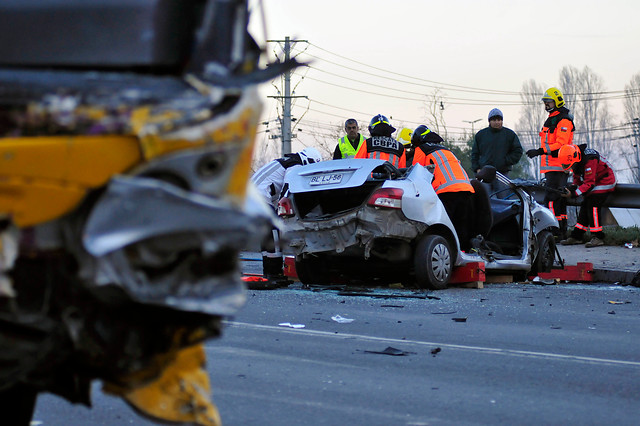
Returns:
(420, 134)
(376, 120)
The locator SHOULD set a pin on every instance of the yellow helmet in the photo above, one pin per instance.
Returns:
(405, 136)
(554, 94)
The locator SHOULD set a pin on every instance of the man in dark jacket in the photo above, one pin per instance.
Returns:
(497, 146)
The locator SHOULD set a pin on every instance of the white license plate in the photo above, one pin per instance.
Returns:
(326, 179)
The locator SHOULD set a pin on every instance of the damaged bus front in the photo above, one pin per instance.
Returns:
(127, 132)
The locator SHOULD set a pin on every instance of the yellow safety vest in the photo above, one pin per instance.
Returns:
(346, 149)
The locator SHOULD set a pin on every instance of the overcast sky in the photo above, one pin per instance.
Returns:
(372, 56)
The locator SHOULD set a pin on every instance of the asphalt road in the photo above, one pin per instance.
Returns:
(518, 354)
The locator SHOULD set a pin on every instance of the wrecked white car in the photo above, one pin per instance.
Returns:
(365, 220)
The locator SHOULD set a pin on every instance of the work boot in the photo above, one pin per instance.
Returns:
(594, 242)
(570, 241)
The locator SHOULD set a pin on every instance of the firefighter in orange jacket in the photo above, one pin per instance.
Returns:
(557, 131)
(381, 145)
(450, 181)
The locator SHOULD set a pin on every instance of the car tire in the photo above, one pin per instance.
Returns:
(433, 262)
(18, 403)
(312, 270)
(545, 255)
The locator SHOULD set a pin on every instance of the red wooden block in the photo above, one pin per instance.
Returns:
(290, 267)
(471, 272)
(582, 271)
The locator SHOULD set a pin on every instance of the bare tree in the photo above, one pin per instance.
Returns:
(532, 117)
(584, 92)
(266, 147)
(632, 116)
(632, 98)
(434, 113)
(325, 140)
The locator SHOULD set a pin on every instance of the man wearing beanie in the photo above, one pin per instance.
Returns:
(496, 146)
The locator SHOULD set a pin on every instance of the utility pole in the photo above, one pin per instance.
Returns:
(636, 133)
(473, 132)
(286, 111)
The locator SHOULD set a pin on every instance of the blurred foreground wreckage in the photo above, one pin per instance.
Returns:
(127, 135)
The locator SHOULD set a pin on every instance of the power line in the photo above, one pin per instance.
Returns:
(579, 98)
(452, 86)
(412, 77)
(449, 100)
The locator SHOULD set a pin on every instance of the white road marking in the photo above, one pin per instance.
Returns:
(496, 351)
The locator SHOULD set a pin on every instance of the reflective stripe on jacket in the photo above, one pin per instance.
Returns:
(448, 175)
(346, 149)
(383, 148)
(556, 131)
(597, 177)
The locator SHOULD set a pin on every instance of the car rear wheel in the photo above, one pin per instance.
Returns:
(312, 270)
(433, 262)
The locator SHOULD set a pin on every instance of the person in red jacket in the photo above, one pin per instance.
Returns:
(556, 132)
(381, 145)
(450, 181)
(594, 180)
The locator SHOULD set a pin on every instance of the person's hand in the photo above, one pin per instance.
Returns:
(535, 152)
(566, 193)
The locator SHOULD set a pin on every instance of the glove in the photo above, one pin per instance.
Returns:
(568, 193)
(535, 152)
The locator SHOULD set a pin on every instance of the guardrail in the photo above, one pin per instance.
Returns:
(626, 195)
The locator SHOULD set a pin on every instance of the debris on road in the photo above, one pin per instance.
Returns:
(259, 283)
(387, 296)
(462, 319)
(390, 351)
(288, 324)
(342, 320)
(436, 351)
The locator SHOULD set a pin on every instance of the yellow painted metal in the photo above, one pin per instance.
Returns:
(243, 129)
(159, 136)
(42, 178)
(181, 394)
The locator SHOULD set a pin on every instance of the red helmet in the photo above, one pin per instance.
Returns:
(568, 155)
